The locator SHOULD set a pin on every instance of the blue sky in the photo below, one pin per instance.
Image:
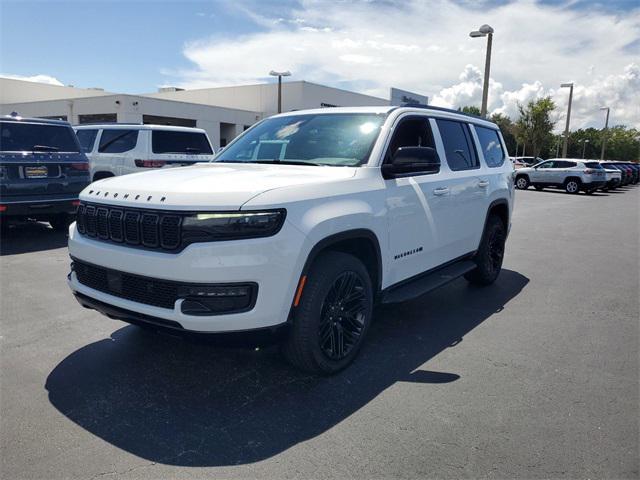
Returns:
(367, 45)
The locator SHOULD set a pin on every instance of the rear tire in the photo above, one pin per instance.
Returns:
(522, 182)
(490, 254)
(61, 222)
(572, 186)
(333, 317)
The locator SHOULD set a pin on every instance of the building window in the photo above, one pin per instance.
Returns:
(97, 118)
(55, 117)
(175, 121)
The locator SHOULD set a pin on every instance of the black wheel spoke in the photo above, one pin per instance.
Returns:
(342, 316)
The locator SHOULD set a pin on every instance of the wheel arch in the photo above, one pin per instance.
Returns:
(362, 243)
(500, 208)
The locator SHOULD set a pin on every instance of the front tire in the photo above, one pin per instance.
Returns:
(490, 254)
(333, 317)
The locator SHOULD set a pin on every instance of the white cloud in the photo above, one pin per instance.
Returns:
(423, 47)
(35, 78)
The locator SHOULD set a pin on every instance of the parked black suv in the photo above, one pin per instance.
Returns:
(42, 170)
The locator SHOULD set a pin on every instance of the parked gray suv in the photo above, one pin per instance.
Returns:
(572, 175)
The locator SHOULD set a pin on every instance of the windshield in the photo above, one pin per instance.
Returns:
(320, 139)
(36, 137)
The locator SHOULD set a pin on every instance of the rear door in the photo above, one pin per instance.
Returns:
(40, 161)
(116, 148)
(463, 221)
(170, 148)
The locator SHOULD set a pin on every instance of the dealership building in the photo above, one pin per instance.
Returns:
(224, 112)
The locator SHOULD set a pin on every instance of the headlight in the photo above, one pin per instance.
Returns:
(208, 227)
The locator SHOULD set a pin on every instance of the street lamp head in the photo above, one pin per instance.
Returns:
(486, 29)
(483, 31)
(286, 73)
(604, 108)
(564, 85)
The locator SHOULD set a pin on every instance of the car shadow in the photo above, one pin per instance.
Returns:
(29, 236)
(562, 192)
(179, 402)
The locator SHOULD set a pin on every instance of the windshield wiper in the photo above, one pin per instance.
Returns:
(44, 148)
(287, 162)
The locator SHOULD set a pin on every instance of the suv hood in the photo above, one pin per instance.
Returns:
(222, 186)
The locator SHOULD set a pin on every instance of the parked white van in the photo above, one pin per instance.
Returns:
(119, 148)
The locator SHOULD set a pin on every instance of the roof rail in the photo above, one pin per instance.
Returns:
(442, 109)
(108, 123)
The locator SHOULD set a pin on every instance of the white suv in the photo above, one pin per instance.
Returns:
(299, 226)
(120, 148)
(570, 174)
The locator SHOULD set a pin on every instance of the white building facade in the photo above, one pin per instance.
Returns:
(224, 112)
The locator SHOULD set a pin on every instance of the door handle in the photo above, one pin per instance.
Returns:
(441, 191)
(483, 183)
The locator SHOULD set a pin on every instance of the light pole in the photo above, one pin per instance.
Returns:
(485, 31)
(605, 132)
(566, 128)
(584, 146)
(273, 73)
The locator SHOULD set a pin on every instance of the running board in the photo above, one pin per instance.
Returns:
(427, 282)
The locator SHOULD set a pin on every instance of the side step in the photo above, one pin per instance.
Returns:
(426, 283)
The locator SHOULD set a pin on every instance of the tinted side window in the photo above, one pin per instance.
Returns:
(491, 146)
(166, 141)
(86, 138)
(412, 132)
(118, 141)
(547, 165)
(458, 147)
(568, 164)
(28, 137)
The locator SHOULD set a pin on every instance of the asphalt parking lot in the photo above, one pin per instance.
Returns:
(536, 376)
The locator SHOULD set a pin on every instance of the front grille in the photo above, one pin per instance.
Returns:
(136, 227)
(150, 291)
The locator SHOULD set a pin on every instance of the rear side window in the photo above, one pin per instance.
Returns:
(33, 137)
(86, 138)
(166, 141)
(491, 146)
(459, 149)
(118, 141)
(592, 165)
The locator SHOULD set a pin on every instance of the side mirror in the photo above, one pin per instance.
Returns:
(407, 160)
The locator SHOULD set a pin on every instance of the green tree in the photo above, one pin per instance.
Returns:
(534, 127)
(623, 143)
(473, 110)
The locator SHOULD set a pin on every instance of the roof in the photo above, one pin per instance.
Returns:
(435, 111)
(137, 126)
(12, 118)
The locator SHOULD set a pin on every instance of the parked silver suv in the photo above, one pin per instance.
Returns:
(570, 174)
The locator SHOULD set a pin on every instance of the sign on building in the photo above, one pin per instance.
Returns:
(402, 97)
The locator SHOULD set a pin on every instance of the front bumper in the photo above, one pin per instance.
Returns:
(273, 263)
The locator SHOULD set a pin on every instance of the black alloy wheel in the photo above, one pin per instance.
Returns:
(342, 317)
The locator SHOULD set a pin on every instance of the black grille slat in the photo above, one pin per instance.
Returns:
(137, 227)
(115, 225)
(170, 231)
(80, 218)
(90, 220)
(102, 226)
(149, 230)
(132, 228)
